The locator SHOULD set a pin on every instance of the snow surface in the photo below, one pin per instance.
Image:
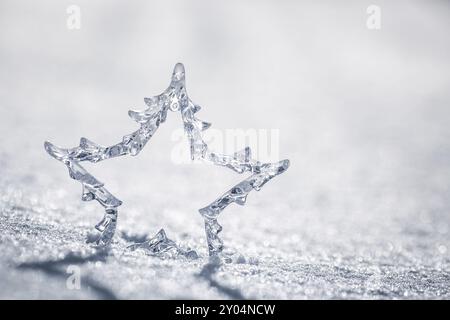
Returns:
(362, 212)
(287, 254)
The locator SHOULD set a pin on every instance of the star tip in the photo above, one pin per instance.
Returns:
(48, 146)
(178, 72)
(54, 151)
(284, 165)
(179, 67)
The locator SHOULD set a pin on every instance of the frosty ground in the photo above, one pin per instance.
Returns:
(362, 212)
(286, 253)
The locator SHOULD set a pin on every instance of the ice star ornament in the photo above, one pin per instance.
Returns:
(174, 99)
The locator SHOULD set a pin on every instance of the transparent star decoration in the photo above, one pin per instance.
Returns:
(175, 99)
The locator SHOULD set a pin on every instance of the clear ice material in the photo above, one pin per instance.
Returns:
(161, 245)
(92, 189)
(174, 98)
(237, 194)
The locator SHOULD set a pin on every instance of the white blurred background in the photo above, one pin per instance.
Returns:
(362, 114)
